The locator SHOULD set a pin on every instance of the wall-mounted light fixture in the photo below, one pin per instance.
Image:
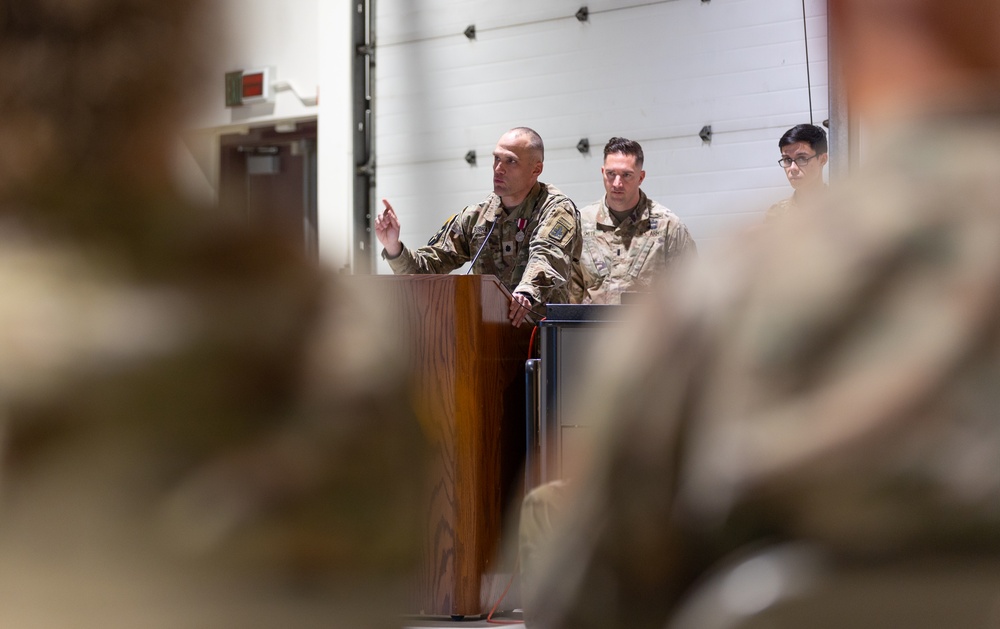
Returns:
(247, 87)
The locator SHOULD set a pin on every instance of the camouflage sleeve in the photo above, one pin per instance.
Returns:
(778, 210)
(553, 250)
(577, 284)
(447, 250)
(680, 244)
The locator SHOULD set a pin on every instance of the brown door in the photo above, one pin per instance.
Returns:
(268, 178)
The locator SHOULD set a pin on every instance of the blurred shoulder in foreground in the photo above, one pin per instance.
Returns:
(201, 427)
(836, 384)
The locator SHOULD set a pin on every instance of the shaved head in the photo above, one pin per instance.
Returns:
(534, 141)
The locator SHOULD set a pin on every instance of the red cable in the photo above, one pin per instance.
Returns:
(489, 618)
(531, 342)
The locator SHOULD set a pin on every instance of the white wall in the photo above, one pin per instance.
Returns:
(653, 71)
(307, 43)
(336, 159)
(282, 34)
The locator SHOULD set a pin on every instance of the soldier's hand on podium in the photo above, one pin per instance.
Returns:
(520, 308)
(387, 231)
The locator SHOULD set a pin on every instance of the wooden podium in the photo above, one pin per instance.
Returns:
(469, 368)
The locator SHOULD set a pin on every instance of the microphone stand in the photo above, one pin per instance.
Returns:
(482, 246)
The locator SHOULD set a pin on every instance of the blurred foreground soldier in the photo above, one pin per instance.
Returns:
(629, 241)
(804, 154)
(526, 233)
(836, 386)
(200, 429)
(628, 238)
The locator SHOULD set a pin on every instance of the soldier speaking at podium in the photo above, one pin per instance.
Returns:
(527, 233)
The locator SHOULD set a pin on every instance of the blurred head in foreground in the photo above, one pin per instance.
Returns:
(831, 383)
(903, 58)
(200, 428)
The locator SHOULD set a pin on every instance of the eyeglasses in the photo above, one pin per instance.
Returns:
(786, 162)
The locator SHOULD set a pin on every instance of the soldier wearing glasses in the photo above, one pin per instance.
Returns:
(803, 156)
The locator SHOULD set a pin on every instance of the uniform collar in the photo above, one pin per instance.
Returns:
(799, 199)
(524, 210)
(640, 214)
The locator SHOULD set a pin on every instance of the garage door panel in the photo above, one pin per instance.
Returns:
(656, 72)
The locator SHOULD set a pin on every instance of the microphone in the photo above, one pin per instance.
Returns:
(505, 289)
(482, 246)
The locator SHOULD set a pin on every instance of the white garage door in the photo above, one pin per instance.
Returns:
(656, 72)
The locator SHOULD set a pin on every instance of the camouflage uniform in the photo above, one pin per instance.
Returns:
(627, 256)
(792, 206)
(781, 209)
(538, 265)
(837, 385)
(200, 427)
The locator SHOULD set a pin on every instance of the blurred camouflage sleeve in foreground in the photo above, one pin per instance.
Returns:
(201, 427)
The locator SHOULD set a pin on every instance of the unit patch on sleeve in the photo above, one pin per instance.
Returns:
(437, 237)
(559, 232)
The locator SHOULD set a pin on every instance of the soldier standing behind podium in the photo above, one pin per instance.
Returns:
(628, 238)
(804, 153)
(529, 231)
